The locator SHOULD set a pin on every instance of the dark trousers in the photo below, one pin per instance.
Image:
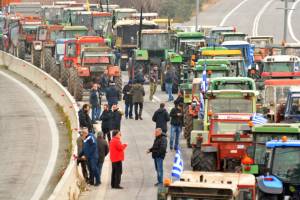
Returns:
(106, 132)
(116, 174)
(128, 110)
(84, 170)
(137, 111)
(94, 171)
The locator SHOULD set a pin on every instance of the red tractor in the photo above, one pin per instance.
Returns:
(224, 145)
(86, 58)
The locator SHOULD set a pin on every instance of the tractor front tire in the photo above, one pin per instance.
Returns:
(187, 130)
(71, 80)
(36, 58)
(54, 70)
(48, 63)
(64, 74)
(21, 50)
(78, 88)
(208, 161)
(196, 159)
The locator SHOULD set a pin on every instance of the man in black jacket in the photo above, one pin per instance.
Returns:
(158, 151)
(176, 115)
(179, 99)
(102, 151)
(84, 118)
(161, 117)
(95, 101)
(106, 118)
(112, 94)
(116, 118)
(127, 97)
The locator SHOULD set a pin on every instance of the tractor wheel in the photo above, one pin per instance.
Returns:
(187, 130)
(71, 80)
(196, 159)
(54, 70)
(186, 113)
(36, 58)
(118, 81)
(21, 50)
(78, 88)
(48, 63)
(208, 161)
(64, 74)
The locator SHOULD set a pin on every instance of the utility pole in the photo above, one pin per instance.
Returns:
(285, 21)
(197, 12)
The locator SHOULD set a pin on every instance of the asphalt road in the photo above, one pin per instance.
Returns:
(26, 142)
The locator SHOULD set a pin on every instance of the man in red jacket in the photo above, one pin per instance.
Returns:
(116, 149)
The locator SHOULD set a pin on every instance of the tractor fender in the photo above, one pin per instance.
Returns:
(37, 45)
(209, 149)
(271, 186)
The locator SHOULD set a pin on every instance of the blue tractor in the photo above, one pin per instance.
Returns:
(292, 107)
(282, 179)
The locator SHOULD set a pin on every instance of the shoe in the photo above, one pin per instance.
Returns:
(140, 118)
(126, 117)
(136, 118)
(119, 187)
(97, 184)
(130, 117)
(156, 184)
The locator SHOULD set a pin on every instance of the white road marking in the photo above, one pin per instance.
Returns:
(258, 16)
(231, 12)
(155, 98)
(54, 136)
(290, 22)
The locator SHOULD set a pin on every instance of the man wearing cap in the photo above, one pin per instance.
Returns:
(153, 81)
(112, 95)
(116, 149)
(127, 97)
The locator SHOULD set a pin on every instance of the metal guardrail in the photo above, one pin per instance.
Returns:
(69, 186)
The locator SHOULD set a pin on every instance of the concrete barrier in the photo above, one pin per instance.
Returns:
(71, 183)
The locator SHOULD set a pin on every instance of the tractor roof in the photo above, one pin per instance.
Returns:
(153, 14)
(223, 28)
(75, 28)
(214, 180)
(221, 52)
(235, 42)
(213, 48)
(229, 93)
(292, 45)
(294, 89)
(280, 143)
(125, 10)
(276, 128)
(281, 58)
(233, 33)
(245, 80)
(282, 82)
(190, 35)
(213, 62)
(131, 22)
(154, 31)
(220, 67)
(162, 20)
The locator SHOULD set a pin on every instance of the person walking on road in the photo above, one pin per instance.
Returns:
(176, 115)
(138, 94)
(153, 81)
(112, 94)
(158, 151)
(161, 118)
(84, 118)
(103, 150)
(106, 119)
(169, 78)
(104, 80)
(116, 149)
(95, 101)
(116, 118)
(90, 152)
(127, 97)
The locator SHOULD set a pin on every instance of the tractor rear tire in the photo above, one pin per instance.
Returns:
(185, 115)
(48, 63)
(21, 50)
(71, 80)
(118, 81)
(187, 130)
(36, 58)
(54, 70)
(64, 74)
(208, 161)
(78, 88)
(196, 159)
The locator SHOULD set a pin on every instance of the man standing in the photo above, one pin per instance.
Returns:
(106, 118)
(112, 95)
(138, 94)
(161, 117)
(84, 118)
(153, 81)
(104, 80)
(169, 78)
(81, 161)
(116, 118)
(158, 151)
(127, 97)
(116, 149)
(176, 125)
(95, 102)
(179, 99)
(90, 152)
(102, 151)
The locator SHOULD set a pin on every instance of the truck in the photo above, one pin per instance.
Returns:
(282, 179)
(209, 186)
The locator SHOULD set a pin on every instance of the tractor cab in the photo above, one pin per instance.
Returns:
(282, 180)
(163, 23)
(123, 13)
(69, 14)
(25, 9)
(232, 36)
(232, 83)
(292, 49)
(53, 14)
(262, 47)
(209, 186)
(75, 31)
(214, 68)
(215, 34)
(292, 108)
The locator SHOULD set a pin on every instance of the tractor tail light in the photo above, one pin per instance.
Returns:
(247, 168)
(268, 179)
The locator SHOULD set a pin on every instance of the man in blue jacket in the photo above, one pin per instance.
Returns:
(95, 101)
(112, 95)
(90, 152)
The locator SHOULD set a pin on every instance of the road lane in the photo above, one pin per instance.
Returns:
(26, 142)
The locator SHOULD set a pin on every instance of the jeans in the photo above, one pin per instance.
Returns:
(137, 111)
(158, 162)
(96, 111)
(128, 110)
(175, 134)
(94, 171)
(169, 91)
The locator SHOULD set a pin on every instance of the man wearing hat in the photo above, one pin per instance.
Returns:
(127, 97)
(153, 81)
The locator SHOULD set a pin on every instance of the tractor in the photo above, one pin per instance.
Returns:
(52, 14)
(123, 13)
(232, 36)
(292, 108)
(282, 178)
(292, 49)
(209, 186)
(215, 34)
(262, 134)
(2, 19)
(25, 9)
(263, 47)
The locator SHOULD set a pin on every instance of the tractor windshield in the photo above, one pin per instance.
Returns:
(29, 29)
(286, 164)
(155, 41)
(96, 58)
(234, 38)
(294, 104)
(54, 35)
(84, 19)
(229, 105)
(281, 67)
(222, 127)
(74, 33)
(184, 43)
(292, 51)
(99, 22)
(281, 93)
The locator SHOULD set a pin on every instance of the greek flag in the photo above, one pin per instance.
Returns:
(258, 118)
(201, 107)
(177, 166)
(204, 84)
